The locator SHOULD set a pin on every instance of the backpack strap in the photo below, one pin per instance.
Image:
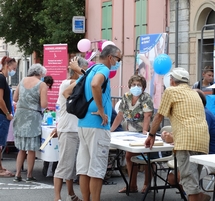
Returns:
(198, 85)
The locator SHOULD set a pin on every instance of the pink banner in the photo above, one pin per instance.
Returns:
(56, 62)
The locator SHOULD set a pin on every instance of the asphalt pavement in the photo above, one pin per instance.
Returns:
(43, 189)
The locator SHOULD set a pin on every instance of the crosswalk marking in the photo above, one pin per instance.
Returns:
(20, 186)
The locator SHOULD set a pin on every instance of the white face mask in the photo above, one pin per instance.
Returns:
(136, 91)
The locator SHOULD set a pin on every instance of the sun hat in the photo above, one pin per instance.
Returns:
(180, 74)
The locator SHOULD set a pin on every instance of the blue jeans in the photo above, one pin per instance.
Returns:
(4, 127)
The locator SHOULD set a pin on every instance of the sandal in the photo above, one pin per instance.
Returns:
(73, 198)
(17, 179)
(6, 173)
(143, 190)
(123, 190)
(30, 179)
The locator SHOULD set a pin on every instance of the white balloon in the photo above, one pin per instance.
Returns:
(106, 43)
(166, 80)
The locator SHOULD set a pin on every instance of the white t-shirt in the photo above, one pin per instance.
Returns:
(67, 122)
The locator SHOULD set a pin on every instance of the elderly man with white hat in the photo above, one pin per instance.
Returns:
(184, 108)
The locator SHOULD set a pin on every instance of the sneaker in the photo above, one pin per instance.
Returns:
(17, 179)
(30, 179)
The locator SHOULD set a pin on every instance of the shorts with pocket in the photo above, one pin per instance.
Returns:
(189, 172)
(4, 127)
(92, 158)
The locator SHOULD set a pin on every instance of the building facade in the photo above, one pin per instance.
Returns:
(122, 21)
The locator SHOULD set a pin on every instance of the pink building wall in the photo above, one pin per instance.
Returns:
(123, 33)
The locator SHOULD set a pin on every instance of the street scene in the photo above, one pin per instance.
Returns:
(104, 100)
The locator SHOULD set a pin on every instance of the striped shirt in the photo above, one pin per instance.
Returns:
(185, 110)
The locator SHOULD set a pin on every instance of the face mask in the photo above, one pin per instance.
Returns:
(12, 73)
(136, 91)
(116, 66)
(42, 79)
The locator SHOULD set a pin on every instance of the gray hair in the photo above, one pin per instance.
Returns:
(82, 62)
(109, 50)
(37, 69)
(177, 81)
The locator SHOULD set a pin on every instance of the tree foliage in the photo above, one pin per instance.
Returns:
(32, 23)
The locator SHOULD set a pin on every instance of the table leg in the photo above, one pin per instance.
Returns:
(119, 152)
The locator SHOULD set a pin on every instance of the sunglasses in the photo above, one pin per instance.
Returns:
(118, 59)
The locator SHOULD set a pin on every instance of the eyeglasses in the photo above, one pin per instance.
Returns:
(118, 59)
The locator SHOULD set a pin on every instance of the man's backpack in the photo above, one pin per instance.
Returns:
(198, 85)
(77, 103)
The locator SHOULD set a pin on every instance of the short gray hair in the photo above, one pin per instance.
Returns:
(37, 69)
(82, 62)
(109, 50)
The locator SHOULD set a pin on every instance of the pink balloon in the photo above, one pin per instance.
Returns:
(112, 73)
(99, 44)
(106, 43)
(84, 45)
(90, 63)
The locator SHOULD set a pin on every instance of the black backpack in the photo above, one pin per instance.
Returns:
(198, 85)
(77, 103)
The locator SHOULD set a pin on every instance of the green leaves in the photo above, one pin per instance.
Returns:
(30, 24)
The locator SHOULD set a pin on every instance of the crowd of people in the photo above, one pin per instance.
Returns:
(193, 126)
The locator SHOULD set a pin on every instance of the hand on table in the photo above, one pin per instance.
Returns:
(149, 142)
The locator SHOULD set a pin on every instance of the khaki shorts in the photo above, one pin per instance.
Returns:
(68, 148)
(92, 158)
(189, 172)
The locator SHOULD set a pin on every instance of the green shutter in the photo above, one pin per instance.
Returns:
(107, 20)
(140, 18)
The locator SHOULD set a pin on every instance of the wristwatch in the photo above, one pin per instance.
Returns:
(152, 135)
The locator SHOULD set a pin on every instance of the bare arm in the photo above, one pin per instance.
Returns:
(3, 105)
(68, 91)
(146, 121)
(43, 95)
(16, 94)
(117, 121)
(96, 84)
(155, 125)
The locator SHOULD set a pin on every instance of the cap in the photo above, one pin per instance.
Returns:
(180, 74)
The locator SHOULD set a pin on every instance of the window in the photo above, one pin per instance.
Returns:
(140, 18)
(107, 20)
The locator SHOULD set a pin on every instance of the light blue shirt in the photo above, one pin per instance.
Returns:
(91, 120)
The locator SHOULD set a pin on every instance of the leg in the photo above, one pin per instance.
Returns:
(84, 182)
(95, 188)
(199, 197)
(57, 188)
(133, 183)
(19, 162)
(30, 161)
(69, 184)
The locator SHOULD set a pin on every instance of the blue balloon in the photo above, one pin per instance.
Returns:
(162, 64)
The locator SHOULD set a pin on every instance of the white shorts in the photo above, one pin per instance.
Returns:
(92, 158)
(68, 148)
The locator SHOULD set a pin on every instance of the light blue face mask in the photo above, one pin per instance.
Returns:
(136, 91)
(42, 79)
(12, 73)
(116, 66)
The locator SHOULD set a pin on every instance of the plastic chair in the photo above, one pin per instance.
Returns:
(138, 161)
